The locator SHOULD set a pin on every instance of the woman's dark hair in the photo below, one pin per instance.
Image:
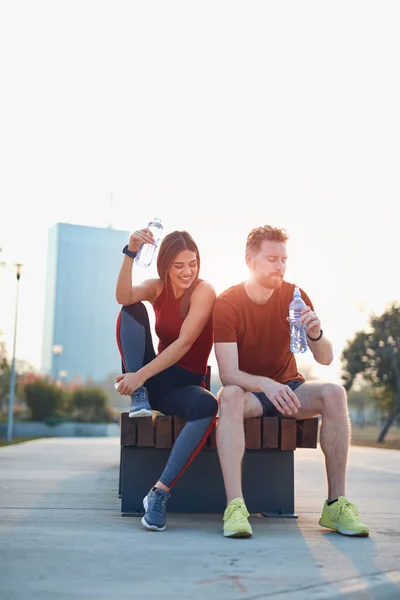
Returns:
(174, 243)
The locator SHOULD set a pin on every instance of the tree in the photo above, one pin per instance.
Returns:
(364, 402)
(375, 356)
(21, 368)
(4, 376)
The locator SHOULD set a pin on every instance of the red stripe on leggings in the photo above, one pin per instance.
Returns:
(119, 340)
(197, 450)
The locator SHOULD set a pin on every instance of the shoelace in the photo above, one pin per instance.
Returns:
(349, 510)
(140, 395)
(235, 513)
(158, 503)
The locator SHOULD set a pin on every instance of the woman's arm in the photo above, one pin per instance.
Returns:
(148, 290)
(201, 305)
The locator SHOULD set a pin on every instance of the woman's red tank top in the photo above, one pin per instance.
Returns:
(168, 323)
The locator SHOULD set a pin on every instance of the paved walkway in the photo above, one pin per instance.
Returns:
(62, 536)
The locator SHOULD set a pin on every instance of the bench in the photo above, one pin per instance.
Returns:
(268, 465)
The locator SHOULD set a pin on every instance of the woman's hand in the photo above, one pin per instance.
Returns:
(128, 383)
(139, 237)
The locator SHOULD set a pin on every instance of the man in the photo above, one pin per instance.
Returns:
(260, 378)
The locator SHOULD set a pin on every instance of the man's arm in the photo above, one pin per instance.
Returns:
(281, 396)
(228, 366)
(321, 348)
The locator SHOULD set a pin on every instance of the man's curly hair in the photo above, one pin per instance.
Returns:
(259, 234)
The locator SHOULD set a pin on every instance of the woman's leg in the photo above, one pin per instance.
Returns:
(199, 408)
(136, 349)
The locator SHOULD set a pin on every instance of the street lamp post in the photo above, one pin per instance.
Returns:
(57, 350)
(12, 376)
(63, 375)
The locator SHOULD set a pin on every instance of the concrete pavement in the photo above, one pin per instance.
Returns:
(62, 536)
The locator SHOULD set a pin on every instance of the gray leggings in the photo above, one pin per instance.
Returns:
(174, 391)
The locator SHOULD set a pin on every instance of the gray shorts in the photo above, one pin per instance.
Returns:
(269, 409)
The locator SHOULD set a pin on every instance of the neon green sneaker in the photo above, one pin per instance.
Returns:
(342, 516)
(236, 523)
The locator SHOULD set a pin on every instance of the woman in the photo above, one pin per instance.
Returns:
(172, 381)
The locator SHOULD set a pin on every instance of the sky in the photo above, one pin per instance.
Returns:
(217, 117)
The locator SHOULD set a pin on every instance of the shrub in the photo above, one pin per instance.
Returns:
(90, 404)
(44, 400)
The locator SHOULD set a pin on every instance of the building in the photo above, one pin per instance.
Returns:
(80, 306)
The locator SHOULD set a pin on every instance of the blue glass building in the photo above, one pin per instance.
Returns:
(80, 306)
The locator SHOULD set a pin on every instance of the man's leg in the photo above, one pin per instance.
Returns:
(329, 401)
(235, 406)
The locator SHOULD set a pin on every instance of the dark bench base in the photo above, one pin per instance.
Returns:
(268, 482)
(268, 465)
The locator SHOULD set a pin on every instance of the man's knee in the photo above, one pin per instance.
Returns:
(334, 397)
(232, 399)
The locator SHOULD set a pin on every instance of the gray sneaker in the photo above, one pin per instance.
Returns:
(140, 406)
(154, 505)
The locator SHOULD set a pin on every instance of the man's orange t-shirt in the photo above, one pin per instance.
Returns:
(260, 331)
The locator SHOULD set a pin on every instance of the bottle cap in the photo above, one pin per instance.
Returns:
(296, 293)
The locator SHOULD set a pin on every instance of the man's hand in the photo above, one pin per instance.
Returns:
(282, 397)
(128, 383)
(310, 320)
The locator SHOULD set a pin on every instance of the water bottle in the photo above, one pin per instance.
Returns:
(298, 336)
(147, 251)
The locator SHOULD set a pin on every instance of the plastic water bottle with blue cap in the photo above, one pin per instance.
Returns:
(298, 335)
(146, 251)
